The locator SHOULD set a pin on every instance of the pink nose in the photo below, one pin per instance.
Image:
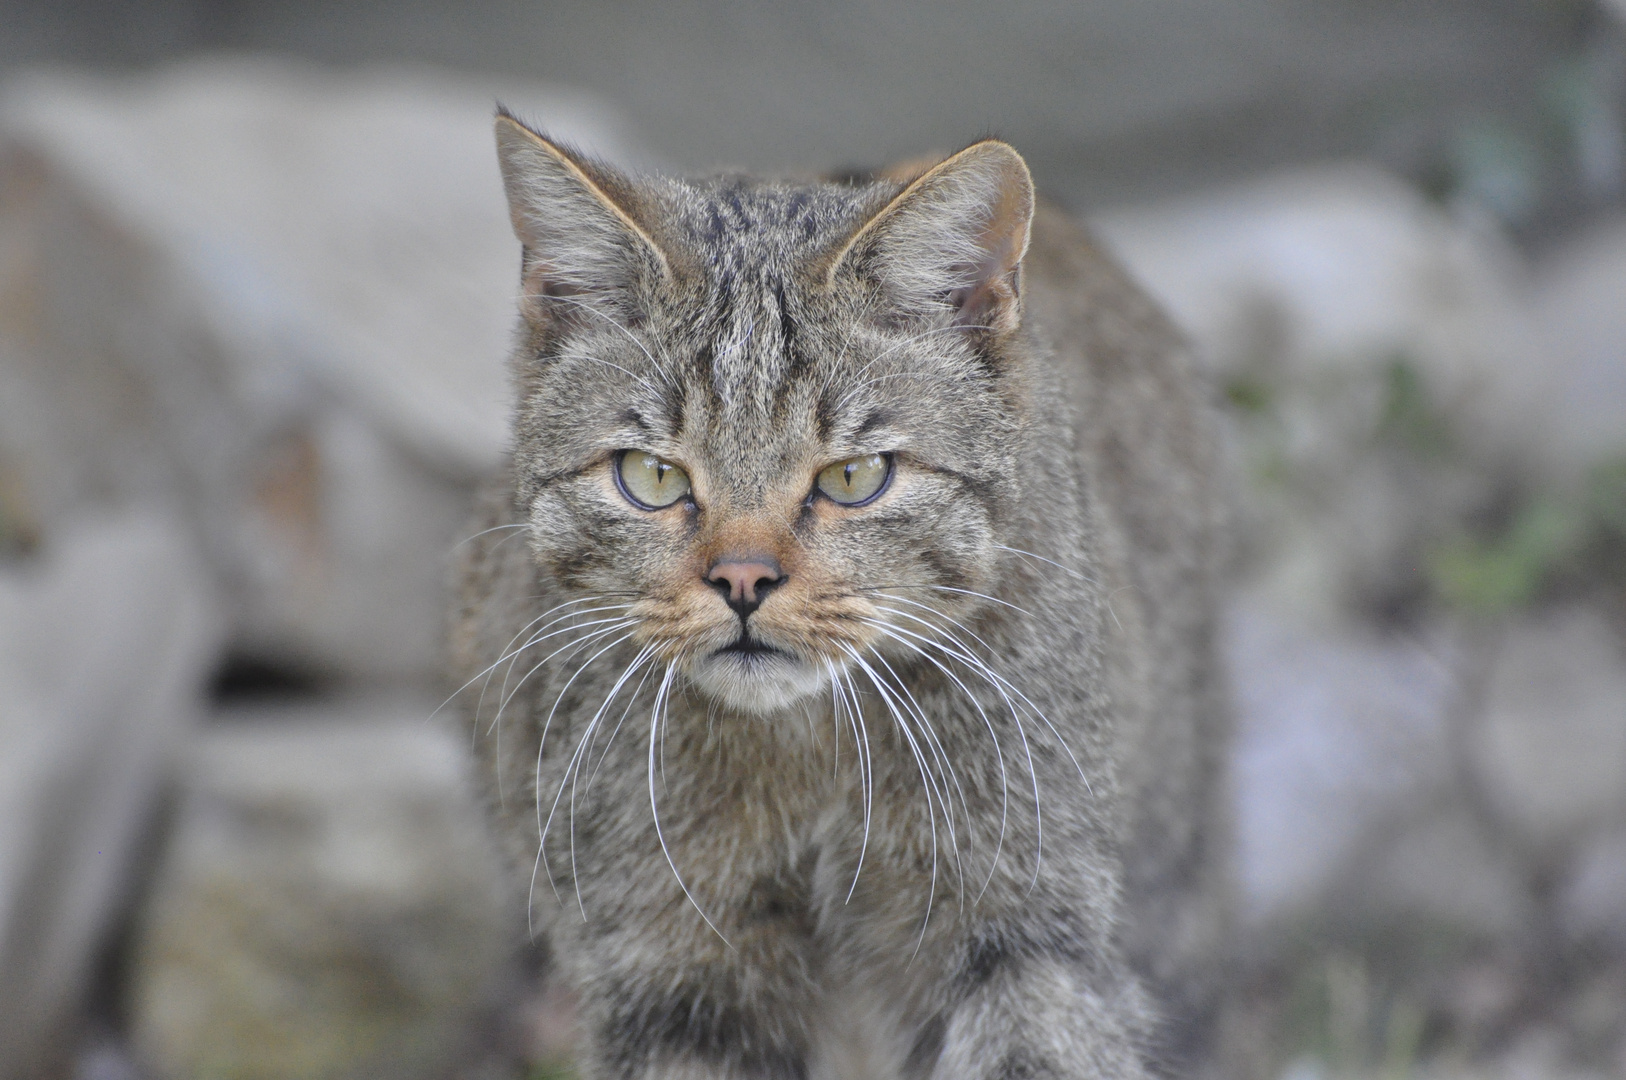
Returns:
(745, 581)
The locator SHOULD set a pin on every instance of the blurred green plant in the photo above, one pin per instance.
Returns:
(1499, 573)
(1411, 417)
(1574, 534)
(552, 1070)
(1513, 544)
(1351, 1023)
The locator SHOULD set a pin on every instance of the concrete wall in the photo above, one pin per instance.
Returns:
(1109, 100)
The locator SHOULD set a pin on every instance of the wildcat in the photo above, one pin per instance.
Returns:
(838, 647)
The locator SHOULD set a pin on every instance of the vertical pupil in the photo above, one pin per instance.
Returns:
(660, 472)
(847, 473)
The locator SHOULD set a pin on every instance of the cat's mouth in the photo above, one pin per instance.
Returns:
(746, 645)
(754, 676)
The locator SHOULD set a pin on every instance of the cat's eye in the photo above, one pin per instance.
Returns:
(649, 482)
(857, 480)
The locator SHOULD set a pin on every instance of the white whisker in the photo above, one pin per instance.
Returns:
(963, 592)
(1051, 562)
(665, 375)
(944, 766)
(928, 785)
(999, 753)
(993, 680)
(507, 655)
(494, 528)
(536, 784)
(609, 364)
(1004, 683)
(889, 350)
(848, 695)
(542, 741)
(573, 766)
(654, 725)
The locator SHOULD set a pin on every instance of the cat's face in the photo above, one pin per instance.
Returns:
(747, 439)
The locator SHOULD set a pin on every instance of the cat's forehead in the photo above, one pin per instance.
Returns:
(739, 223)
(757, 338)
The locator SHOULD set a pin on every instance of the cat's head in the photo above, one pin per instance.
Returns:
(769, 430)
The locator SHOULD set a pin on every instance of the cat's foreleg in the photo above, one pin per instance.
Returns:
(660, 1001)
(1035, 1017)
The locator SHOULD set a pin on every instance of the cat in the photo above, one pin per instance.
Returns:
(839, 646)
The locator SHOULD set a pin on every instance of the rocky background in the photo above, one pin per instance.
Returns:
(252, 312)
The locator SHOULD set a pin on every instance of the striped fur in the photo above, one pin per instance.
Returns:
(963, 820)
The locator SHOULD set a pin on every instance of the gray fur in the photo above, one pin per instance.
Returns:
(1050, 514)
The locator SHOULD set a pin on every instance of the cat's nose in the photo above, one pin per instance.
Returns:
(745, 581)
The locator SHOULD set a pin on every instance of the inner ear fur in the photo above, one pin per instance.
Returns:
(576, 220)
(950, 245)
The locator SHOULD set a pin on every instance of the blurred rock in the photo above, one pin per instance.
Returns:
(105, 1058)
(1551, 744)
(105, 644)
(329, 906)
(1335, 266)
(1593, 905)
(1339, 738)
(1381, 367)
(1440, 872)
(276, 299)
(1579, 301)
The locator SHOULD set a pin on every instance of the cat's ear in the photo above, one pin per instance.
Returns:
(575, 221)
(949, 246)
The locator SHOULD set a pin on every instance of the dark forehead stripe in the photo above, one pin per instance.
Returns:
(755, 241)
(744, 222)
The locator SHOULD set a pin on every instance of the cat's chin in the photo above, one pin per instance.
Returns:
(758, 682)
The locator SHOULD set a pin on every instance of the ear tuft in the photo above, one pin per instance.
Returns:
(949, 246)
(575, 219)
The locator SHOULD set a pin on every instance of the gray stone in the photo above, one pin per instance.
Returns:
(1339, 738)
(104, 649)
(1351, 261)
(1551, 745)
(1440, 871)
(1579, 300)
(303, 289)
(1593, 903)
(1303, 291)
(330, 905)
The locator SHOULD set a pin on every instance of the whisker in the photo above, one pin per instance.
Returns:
(928, 785)
(654, 723)
(952, 589)
(494, 528)
(536, 783)
(665, 375)
(503, 693)
(507, 655)
(1003, 684)
(839, 692)
(617, 729)
(929, 734)
(573, 766)
(889, 350)
(944, 376)
(629, 374)
(988, 675)
(606, 626)
(1050, 562)
(999, 753)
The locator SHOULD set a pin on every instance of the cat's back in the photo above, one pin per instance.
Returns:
(1147, 439)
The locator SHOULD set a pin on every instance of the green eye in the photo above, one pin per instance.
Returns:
(649, 482)
(856, 480)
